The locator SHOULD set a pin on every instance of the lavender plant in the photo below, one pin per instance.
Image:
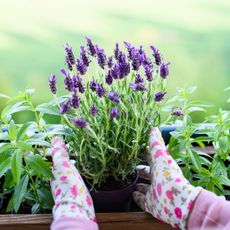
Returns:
(111, 104)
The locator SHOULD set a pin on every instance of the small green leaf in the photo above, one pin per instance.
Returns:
(35, 208)
(224, 180)
(5, 147)
(37, 142)
(40, 166)
(12, 130)
(16, 165)
(195, 159)
(19, 193)
(48, 109)
(9, 182)
(46, 198)
(10, 206)
(22, 130)
(4, 166)
(14, 108)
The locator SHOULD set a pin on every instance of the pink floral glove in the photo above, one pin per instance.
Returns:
(170, 196)
(70, 194)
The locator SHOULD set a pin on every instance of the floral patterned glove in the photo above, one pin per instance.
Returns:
(71, 196)
(170, 196)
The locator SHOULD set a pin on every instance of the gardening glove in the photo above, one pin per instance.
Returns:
(170, 196)
(70, 194)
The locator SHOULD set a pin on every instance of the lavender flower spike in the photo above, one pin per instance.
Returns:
(81, 67)
(101, 58)
(177, 112)
(53, 84)
(159, 96)
(93, 110)
(65, 107)
(164, 70)
(68, 83)
(114, 112)
(69, 54)
(113, 96)
(84, 57)
(110, 62)
(75, 101)
(79, 122)
(93, 85)
(109, 78)
(156, 55)
(91, 48)
(100, 90)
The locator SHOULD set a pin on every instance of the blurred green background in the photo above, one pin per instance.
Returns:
(194, 35)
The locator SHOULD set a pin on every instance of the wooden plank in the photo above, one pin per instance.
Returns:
(106, 221)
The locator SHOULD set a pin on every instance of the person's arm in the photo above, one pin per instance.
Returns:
(172, 199)
(73, 207)
(209, 212)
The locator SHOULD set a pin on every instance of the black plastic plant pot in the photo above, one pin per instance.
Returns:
(116, 200)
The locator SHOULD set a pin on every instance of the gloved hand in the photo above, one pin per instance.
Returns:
(70, 194)
(170, 196)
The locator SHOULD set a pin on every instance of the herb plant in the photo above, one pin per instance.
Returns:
(24, 169)
(211, 171)
(111, 104)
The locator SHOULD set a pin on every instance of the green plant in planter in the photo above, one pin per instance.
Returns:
(24, 169)
(209, 171)
(111, 111)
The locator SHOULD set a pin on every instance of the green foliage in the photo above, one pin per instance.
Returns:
(210, 171)
(24, 169)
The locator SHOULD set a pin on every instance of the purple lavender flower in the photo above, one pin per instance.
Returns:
(79, 122)
(159, 96)
(114, 112)
(69, 54)
(116, 71)
(110, 62)
(109, 78)
(91, 48)
(113, 96)
(117, 52)
(65, 107)
(148, 73)
(177, 112)
(68, 83)
(75, 102)
(164, 70)
(100, 90)
(81, 67)
(147, 61)
(129, 48)
(68, 63)
(139, 79)
(77, 83)
(101, 58)
(93, 110)
(53, 84)
(123, 66)
(93, 85)
(64, 72)
(141, 50)
(156, 55)
(84, 57)
(138, 87)
(136, 60)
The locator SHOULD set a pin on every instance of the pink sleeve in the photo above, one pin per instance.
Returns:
(72, 223)
(210, 212)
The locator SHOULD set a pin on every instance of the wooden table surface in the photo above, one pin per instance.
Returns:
(106, 221)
